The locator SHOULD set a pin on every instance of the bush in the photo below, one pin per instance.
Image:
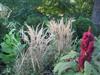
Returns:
(81, 25)
(10, 47)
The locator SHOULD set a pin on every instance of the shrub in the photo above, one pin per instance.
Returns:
(81, 25)
(10, 47)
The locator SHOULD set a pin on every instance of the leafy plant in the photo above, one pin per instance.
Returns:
(3, 29)
(61, 8)
(81, 24)
(89, 69)
(96, 54)
(9, 47)
(66, 64)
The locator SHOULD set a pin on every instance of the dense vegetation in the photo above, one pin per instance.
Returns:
(42, 37)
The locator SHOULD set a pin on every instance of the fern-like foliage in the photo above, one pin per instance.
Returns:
(9, 47)
(66, 64)
(70, 55)
(89, 69)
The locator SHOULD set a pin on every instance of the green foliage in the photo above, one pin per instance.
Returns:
(50, 7)
(89, 69)
(81, 25)
(66, 7)
(9, 47)
(96, 54)
(97, 45)
(3, 29)
(82, 8)
(67, 64)
(22, 9)
(71, 55)
(63, 66)
(36, 18)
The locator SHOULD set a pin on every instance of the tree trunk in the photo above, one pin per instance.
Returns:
(96, 14)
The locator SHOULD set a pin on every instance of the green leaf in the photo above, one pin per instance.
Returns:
(79, 73)
(64, 66)
(10, 46)
(70, 55)
(89, 69)
(69, 73)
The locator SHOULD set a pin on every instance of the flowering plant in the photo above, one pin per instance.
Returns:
(87, 47)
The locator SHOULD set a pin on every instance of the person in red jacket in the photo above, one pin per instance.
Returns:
(87, 47)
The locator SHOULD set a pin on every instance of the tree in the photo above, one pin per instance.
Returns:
(96, 14)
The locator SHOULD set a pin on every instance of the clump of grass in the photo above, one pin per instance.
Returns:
(63, 34)
(33, 57)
